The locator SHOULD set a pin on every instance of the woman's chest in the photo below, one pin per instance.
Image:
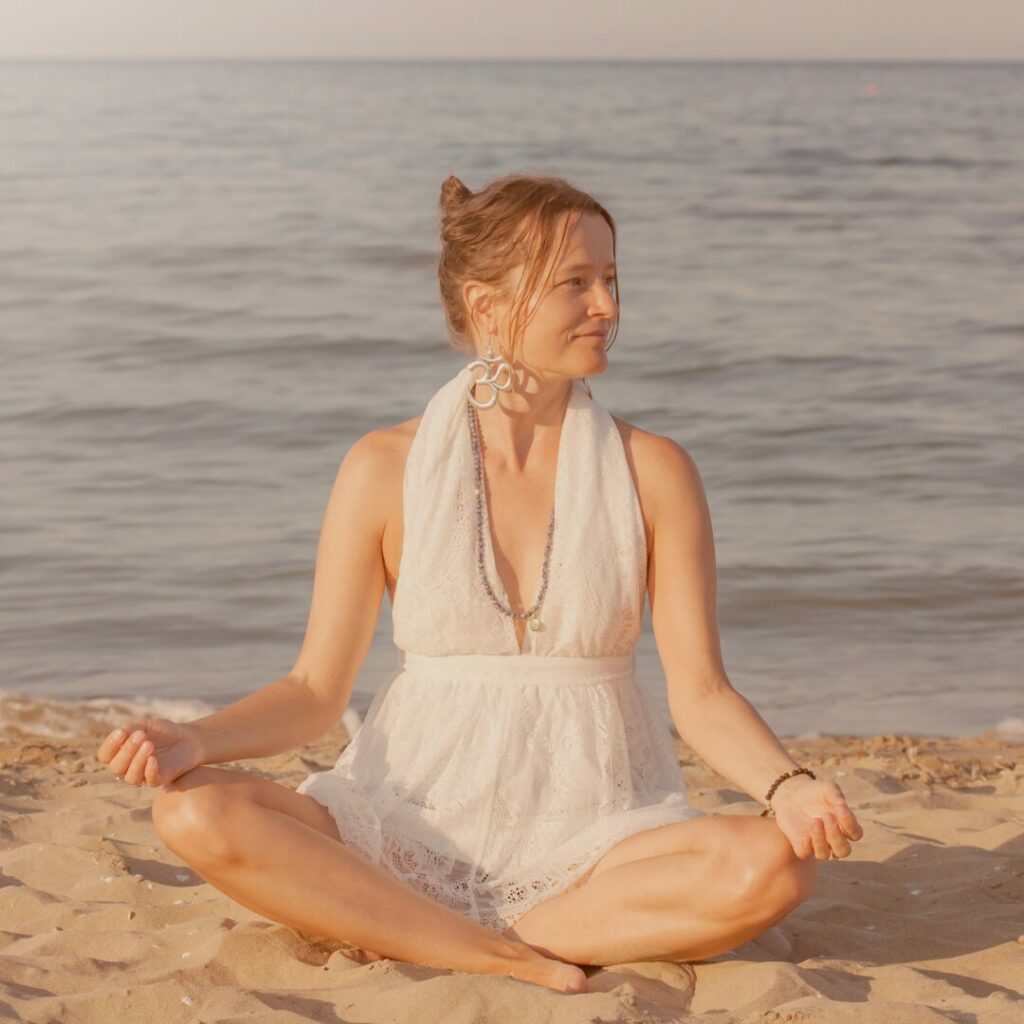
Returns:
(514, 514)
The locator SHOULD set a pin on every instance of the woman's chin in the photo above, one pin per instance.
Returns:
(598, 363)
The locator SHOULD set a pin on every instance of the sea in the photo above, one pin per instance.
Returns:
(216, 275)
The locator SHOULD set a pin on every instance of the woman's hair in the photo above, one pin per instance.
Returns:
(510, 222)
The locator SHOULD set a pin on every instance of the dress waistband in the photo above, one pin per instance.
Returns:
(520, 669)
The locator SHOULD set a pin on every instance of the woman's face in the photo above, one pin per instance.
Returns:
(571, 316)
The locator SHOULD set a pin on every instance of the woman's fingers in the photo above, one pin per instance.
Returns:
(848, 824)
(110, 746)
(121, 761)
(803, 848)
(836, 839)
(136, 770)
(129, 755)
(819, 839)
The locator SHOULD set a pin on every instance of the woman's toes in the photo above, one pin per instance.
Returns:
(553, 974)
(574, 980)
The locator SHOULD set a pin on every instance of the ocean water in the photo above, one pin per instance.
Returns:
(217, 275)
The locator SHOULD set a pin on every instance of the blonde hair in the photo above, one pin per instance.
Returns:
(508, 223)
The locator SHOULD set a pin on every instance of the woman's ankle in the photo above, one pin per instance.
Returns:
(506, 954)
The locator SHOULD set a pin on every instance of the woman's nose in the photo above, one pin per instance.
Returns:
(605, 301)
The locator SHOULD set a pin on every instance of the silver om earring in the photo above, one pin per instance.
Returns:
(493, 367)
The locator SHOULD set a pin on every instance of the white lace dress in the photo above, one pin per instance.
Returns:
(487, 778)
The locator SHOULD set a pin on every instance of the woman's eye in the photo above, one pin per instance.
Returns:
(610, 279)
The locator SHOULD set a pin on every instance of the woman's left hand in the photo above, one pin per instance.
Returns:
(814, 817)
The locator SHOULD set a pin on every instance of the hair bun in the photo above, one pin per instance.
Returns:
(453, 192)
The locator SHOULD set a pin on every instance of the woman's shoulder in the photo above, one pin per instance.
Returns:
(399, 435)
(664, 473)
(649, 450)
(386, 448)
(380, 456)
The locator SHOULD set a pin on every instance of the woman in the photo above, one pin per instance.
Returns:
(511, 803)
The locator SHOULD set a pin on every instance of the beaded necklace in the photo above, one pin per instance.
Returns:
(479, 489)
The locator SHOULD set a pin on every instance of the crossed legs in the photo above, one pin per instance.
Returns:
(682, 891)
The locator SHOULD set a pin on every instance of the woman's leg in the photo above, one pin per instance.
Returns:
(272, 850)
(683, 891)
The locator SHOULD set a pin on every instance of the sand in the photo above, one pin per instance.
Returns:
(99, 922)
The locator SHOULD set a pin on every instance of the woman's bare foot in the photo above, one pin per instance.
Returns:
(559, 975)
(534, 968)
(556, 974)
(527, 965)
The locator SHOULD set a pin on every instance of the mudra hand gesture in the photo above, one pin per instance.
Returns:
(815, 818)
(151, 751)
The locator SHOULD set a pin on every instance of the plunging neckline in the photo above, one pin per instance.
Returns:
(489, 556)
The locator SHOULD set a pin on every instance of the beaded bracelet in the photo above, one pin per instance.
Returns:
(775, 785)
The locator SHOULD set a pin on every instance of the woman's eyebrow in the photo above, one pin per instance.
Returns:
(583, 266)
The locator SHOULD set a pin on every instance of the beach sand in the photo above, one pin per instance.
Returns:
(99, 922)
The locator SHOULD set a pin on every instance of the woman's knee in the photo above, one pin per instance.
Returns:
(194, 820)
(774, 877)
(767, 878)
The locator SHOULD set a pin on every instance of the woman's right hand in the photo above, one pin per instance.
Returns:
(151, 751)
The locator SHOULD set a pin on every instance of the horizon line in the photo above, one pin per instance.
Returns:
(239, 58)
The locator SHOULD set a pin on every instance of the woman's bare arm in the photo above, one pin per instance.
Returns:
(718, 722)
(348, 586)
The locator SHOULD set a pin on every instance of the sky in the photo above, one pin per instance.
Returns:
(517, 29)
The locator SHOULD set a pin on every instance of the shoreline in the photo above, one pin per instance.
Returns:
(56, 716)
